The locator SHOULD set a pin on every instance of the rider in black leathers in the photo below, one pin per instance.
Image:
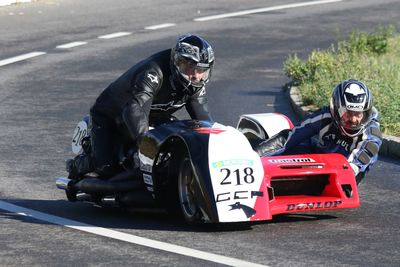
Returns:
(149, 91)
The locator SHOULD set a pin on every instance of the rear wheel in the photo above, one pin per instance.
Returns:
(186, 191)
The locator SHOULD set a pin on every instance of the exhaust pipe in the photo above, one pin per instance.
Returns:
(130, 191)
(62, 183)
(123, 182)
(98, 186)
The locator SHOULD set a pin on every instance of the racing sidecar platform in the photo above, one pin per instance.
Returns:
(209, 172)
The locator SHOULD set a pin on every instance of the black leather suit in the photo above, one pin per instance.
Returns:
(126, 108)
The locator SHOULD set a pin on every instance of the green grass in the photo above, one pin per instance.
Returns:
(373, 58)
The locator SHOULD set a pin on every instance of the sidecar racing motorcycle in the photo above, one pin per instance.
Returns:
(210, 173)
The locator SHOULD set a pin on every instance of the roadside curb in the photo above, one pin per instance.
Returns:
(390, 144)
(10, 2)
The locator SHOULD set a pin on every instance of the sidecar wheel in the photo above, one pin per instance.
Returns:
(186, 189)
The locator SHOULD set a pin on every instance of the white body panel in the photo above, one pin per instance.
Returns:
(272, 123)
(236, 172)
(80, 132)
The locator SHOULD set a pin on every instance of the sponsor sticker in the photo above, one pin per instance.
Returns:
(293, 160)
(145, 167)
(150, 189)
(231, 162)
(147, 179)
(314, 205)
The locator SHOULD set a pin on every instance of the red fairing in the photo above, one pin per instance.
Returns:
(306, 183)
(262, 205)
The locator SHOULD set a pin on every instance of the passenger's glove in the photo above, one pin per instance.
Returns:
(271, 145)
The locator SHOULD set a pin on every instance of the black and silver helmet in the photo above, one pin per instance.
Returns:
(192, 53)
(351, 96)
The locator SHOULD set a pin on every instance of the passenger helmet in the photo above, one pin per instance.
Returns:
(194, 53)
(351, 95)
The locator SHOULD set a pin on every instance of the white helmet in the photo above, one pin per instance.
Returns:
(351, 95)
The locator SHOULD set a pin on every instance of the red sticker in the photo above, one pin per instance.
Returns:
(209, 130)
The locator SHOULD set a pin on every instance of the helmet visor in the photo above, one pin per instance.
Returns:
(353, 121)
(195, 73)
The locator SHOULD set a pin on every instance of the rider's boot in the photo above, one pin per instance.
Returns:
(78, 166)
(106, 171)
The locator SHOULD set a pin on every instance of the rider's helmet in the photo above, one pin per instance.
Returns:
(192, 54)
(354, 97)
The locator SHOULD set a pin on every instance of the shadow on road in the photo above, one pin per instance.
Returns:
(118, 218)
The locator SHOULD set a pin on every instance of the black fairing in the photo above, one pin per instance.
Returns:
(180, 138)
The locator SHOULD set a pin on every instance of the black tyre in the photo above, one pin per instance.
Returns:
(71, 194)
(186, 190)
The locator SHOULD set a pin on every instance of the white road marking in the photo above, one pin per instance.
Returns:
(10, 2)
(155, 27)
(114, 35)
(126, 237)
(267, 9)
(20, 58)
(70, 45)
(159, 26)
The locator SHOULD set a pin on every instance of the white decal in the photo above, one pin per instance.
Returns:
(202, 92)
(150, 189)
(81, 131)
(145, 163)
(355, 89)
(355, 107)
(167, 106)
(147, 179)
(330, 136)
(145, 167)
(153, 78)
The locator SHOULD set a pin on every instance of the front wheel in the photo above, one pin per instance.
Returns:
(186, 189)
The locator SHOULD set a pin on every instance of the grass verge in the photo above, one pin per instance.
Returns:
(373, 58)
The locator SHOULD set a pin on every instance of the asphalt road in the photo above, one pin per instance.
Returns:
(42, 98)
